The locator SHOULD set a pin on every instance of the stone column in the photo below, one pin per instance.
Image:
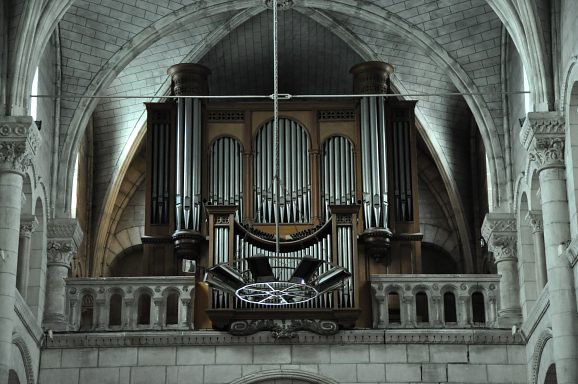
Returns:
(27, 226)
(499, 231)
(543, 136)
(535, 220)
(19, 140)
(64, 236)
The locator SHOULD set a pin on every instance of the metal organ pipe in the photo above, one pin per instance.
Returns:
(337, 173)
(226, 173)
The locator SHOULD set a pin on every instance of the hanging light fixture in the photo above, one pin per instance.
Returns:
(262, 283)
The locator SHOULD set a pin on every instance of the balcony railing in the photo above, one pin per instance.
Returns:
(130, 303)
(435, 301)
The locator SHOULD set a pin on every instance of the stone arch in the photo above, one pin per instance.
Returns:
(442, 58)
(542, 352)
(525, 30)
(25, 356)
(526, 256)
(571, 117)
(298, 377)
(551, 377)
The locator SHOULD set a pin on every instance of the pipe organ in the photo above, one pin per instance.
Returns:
(348, 195)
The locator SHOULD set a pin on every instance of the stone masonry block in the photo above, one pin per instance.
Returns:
(220, 374)
(99, 375)
(60, 376)
(349, 354)
(81, 358)
(117, 357)
(467, 373)
(516, 354)
(417, 353)
(51, 358)
(403, 373)
(370, 373)
(448, 353)
(393, 353)
(515, 374)
(156, 356)
(488, 354)
(433, 373)
(272, 354)
(189, 374)
(193, 355)
(310, 354)
(147, 375)
(339, 372)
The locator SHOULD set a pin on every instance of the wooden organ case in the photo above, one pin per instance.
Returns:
(348, 194)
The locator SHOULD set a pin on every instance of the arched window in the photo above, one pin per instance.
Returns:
(478, 308)
(450, 313)
(551, 377)
(421, 308)
(144, 309)
(115, 312)
(172, 314)
(294, 174)
(86, 313)
(393, 308)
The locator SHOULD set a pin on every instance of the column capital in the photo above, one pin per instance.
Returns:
(19, 141)
(28, 224)
(534, 218)
(500, 233)
(64, 237)
(543, 135)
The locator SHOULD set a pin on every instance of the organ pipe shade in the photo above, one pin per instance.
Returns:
(374, 162)
(294, 173)
(337, 173)
(226, 173)
(188, 191)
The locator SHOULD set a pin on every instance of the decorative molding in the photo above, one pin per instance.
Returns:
(19, 141)
(65, 229)
(543, 135)
(282, 376)
(283, 329)
(339, 114)
(27, 318)
(537, 354)
(178, 338)
(572, 252)
(282, 5)
(534, 218)
(19, 342)
(538, 312)
(226, 115)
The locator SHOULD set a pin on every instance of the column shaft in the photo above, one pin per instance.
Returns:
(539, 253)
(10, 206)
(562, 296)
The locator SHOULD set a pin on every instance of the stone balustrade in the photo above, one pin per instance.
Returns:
(130, 303)
(435, 301)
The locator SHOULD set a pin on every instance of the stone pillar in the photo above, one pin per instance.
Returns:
(499, 231)
(535, 220)
(19, 140)
(64, 236)
(543, 136)
(27, 226)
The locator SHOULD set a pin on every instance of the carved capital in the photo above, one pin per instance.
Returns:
(64, 237)
(534, 218)
(500, 233)
(27, 225)
(61, 253)
(19, 140)
(543, 137)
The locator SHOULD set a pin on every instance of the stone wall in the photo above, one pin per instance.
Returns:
(205, 357)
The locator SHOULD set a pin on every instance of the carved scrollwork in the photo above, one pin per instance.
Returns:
(548, 152)
(18, 146)
(283, 329)
(534, 218)
(281, 4)
(60, 252)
